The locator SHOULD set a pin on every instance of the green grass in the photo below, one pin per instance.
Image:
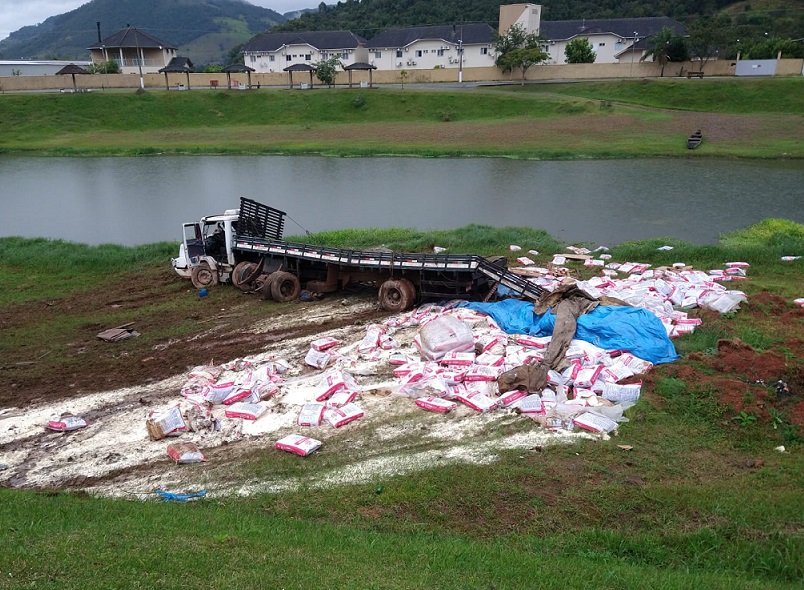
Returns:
(237, 544)
(292, 122)
(41, 269)
(471, 239)
(49, 113)
(776, 95)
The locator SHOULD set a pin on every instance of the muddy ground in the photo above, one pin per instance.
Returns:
(116, 385)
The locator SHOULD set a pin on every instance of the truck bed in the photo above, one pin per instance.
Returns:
(429, 264)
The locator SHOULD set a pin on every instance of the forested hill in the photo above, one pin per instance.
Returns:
(782, 18)
(204, 30)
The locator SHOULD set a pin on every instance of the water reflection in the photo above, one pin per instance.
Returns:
(140, 200)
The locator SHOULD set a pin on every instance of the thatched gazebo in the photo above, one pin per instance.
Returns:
(177, 65)
(237, 69)
(299, 68)
(360, 66)
(72, 69)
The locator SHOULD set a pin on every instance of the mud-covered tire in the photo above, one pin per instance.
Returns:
(262, 285)
(242, 272)
(397, 295)
(203, 276)
(284, 286)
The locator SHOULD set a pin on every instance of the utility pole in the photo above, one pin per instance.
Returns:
(460, 57)
(139, 58)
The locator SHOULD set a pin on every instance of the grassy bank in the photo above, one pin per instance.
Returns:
(734, 96)
(701, 500)
(744, 118)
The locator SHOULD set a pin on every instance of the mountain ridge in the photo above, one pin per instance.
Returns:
(204, 30)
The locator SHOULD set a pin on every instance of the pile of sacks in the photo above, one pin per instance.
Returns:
(450, 356)
(665, 291)
(457, 356)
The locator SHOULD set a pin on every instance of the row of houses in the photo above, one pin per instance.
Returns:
(412, 48)
(454, 46)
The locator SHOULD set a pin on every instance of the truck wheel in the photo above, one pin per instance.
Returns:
(284, 286)
(203, 276)
(397, 295)
(262, 285)
(242, 272)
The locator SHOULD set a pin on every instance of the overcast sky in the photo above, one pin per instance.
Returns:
(15, 14)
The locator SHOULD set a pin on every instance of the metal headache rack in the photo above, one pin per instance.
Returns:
(260, 221)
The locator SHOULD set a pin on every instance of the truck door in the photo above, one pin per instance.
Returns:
(193, 242)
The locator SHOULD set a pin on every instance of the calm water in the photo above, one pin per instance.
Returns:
(134, 201)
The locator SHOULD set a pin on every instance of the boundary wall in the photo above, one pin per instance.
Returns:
(785, 67)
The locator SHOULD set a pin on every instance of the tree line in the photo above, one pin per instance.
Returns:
(733, 26)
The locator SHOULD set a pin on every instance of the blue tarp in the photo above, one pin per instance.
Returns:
(633, 329)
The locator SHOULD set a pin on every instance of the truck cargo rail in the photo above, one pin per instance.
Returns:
(370, 259)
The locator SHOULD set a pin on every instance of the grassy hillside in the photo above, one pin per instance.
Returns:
(746, 118)
(188, 24)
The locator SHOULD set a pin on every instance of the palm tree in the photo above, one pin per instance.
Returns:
(659, 47)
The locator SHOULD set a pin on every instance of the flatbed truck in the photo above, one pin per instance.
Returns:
(245, 247)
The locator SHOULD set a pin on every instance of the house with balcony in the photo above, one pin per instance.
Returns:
(429, 47)
(134, 50)
(274, 52)
(614, 40)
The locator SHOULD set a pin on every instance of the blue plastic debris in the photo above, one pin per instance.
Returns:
(633, 329)
(202, 292)
(171, 497)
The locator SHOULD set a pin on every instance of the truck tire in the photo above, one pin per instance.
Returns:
(284, 286)
(203, 276)
(242, 272)
(397, 295)
(262, 285)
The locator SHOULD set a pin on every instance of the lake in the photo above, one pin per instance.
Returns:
(133, 201)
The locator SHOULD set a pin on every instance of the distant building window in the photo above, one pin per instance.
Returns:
(253, 58)
(308, 57)
(440, 53)
(288, 58)
(377, 54)
(271, 58)
(399, 53)
(418, 53)
(345, 55)
(484, 51)
(601, 44)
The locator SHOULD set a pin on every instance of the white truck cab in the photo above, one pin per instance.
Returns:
(205, 254)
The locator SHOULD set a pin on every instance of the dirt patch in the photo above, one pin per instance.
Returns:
(564, 133)
(737, 357)
(743, 380)
(224, 327)
(114, 456)
(768, 303)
